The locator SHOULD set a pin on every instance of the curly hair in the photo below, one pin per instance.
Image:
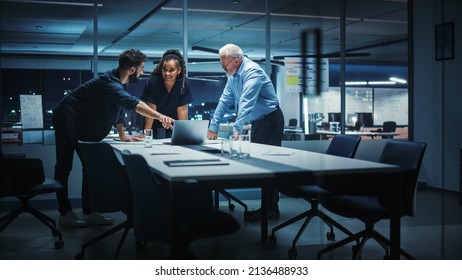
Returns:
(169, 55)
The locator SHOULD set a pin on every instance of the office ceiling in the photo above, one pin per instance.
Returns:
(376, 29)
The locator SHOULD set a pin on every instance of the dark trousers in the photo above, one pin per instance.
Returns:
(269, 130)
(65, 148)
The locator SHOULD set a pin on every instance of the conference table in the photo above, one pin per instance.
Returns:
(268, 166)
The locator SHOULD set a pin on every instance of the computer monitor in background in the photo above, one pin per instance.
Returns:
(364, 120)
(333, 117)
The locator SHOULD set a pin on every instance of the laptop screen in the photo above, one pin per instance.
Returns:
(189, 132)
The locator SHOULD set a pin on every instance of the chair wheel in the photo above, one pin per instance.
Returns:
(292, 253)
(272, 239)
(79, 256)
(231, 206)
(59, 244)
(330, 236)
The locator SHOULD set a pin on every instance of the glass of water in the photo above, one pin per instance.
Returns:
(244, 146)
(148, 138)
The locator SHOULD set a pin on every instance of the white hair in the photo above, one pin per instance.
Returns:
(231, 50)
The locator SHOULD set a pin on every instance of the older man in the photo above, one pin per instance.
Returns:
(251, 89)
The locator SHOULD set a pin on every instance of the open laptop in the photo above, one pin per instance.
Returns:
(192, 134)
(189, 132)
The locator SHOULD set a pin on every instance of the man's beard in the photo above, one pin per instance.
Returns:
(229, 74)
(133, 78)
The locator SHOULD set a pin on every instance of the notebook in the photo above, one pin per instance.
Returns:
(189, 132)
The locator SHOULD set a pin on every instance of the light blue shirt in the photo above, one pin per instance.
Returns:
(254, 93)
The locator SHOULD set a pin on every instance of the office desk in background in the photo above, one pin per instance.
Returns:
(358, 133)
(264, 169)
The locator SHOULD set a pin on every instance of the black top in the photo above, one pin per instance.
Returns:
(155, 92)
(89, 111)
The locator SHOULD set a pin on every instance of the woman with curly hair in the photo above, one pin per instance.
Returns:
(167, 91)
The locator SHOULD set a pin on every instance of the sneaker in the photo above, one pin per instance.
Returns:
(95, 218)
(255, 215)
(71, 220)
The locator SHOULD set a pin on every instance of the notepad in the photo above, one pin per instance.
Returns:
(278, 153)
(195, 162)
(163, 152)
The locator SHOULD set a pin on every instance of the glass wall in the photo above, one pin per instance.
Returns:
(375, 50)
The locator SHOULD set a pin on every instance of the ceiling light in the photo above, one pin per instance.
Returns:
(236, 1)
(356, 83)
(398, 80)
(381, 83)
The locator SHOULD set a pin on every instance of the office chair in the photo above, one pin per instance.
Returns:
(109, 189)
(389, 126)
(151, 204)
(293, 123)
(230, 199)
(371, 209)
(341, 145)
(25, 179)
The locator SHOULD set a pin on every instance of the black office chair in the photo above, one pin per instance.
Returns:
(25, 179)
(109, 189)
(293, 123)
(151, 204)
(341, 145)
(230, 198)
(371, 209)
(389, 126)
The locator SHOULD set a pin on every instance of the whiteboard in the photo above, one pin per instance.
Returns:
(391, 105)
(31, 111)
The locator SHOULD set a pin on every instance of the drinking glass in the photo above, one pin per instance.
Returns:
(233, 147)
(148, 133)
(244, 146)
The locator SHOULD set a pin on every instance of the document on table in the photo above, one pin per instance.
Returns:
(163, 152)
(195, 162)
(278, 153)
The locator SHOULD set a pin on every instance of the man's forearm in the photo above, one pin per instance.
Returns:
(144, 110)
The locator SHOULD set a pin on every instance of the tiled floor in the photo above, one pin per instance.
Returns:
(422, 236)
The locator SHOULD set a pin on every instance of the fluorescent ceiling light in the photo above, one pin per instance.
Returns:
(398, 80)
(358, 83)
(381, 83)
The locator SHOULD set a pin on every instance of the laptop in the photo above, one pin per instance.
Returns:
(189, 132)
(192, 134)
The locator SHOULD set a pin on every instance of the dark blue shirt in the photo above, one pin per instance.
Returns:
(167, 103)
(90, 111)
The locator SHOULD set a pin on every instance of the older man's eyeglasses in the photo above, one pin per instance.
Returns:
(224, 65)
